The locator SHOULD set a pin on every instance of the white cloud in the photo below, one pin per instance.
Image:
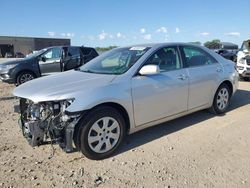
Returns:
(147, 37)
(204, 34)
(142, 30)
(103, 35)
(177, 30)
(51, 33)
(70, 34)
(162, 30)
(120, 35)
(233, 34)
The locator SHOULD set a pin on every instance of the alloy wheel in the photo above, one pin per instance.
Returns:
(104, 134)
(222, 99)
(26, 77)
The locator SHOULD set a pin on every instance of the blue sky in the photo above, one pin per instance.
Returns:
(122, 22)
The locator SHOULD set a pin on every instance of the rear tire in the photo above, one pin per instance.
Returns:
(24, 77)
(221, 100)
(101, 132)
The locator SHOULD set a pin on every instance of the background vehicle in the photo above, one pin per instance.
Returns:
(8, 55)
(44, 62)
(227, 50)
(123, 91)
(228, 54)
(243, 60)
(19, 55)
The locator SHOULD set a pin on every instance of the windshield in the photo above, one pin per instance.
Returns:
(116, 61)
(36, 53)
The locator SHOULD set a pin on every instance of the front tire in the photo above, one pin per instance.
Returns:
(102, 131)
(221, 100)
(24, 77)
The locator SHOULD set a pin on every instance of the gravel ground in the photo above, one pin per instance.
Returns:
(198, 150)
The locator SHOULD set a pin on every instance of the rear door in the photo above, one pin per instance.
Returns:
(204, 75)
(73, 58)
(50, 61)
(162, 95)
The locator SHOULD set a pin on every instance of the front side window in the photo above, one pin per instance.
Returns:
(196, 57)
(53, 53)
(166, 58)
(115, 61)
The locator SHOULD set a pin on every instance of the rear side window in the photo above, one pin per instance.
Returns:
(88, 54)
(194, 57)
(86, 51)
(73, 51)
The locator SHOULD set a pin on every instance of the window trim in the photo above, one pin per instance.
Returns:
(199, 49)
(157, 49)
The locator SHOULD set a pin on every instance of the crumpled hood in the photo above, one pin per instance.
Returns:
(61, 86)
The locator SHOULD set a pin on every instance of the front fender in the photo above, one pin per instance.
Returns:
(114, 93)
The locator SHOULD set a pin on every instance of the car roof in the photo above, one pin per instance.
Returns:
(157, 45)
(64, 46)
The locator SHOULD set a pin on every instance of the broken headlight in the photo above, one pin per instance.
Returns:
(242, 61)
(42, 110)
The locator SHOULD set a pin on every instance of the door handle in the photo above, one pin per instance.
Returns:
(219, 69)
(182, 77)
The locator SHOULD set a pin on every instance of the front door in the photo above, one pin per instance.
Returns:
(50, 61)
(162, 95)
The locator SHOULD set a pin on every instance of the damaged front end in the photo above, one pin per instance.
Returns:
(47, 122)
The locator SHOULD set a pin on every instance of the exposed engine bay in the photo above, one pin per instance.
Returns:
(47, 122)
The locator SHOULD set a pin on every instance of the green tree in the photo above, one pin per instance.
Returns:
(196, 42)
(214, 44)
(104, 49)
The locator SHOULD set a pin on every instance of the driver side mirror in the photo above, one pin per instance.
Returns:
(43, 59)
(149, 70)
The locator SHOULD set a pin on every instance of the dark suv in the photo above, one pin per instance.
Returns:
(45, 62)
(228, 54)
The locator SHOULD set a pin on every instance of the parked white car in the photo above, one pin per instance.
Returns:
(125, 90)
(243, 60)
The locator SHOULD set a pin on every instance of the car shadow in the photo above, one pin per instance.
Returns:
(241, 98)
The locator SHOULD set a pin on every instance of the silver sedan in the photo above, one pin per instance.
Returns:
(122, 91)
